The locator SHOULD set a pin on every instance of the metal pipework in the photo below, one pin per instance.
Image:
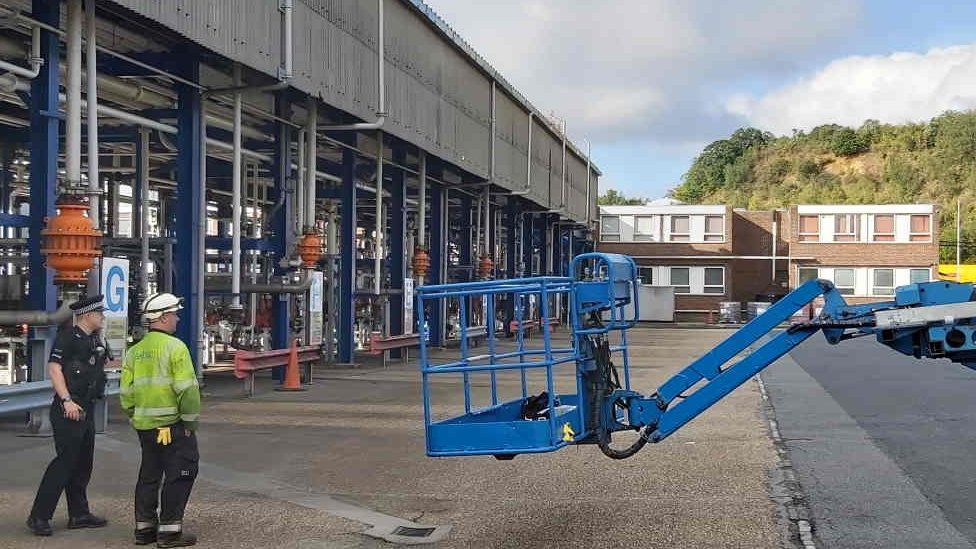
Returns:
(378, 260)
(200, 299)
(301, 181)
(380, 77)
(302, 285)
(144, 215)
(310, 160)
(34, 58)
(91, 66)
(236, 199)
(73, 89)
(35, 318)
(588, 168)
(287, 8)
(422, 222)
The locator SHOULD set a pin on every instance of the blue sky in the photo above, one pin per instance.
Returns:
(650, 82)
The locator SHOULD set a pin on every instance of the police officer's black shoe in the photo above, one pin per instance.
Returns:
(145, 536)
(175, 539)
(39, 527)
(87, 520)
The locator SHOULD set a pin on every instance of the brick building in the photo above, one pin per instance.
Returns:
(714, 253)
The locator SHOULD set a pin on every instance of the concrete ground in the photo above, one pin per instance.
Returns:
(882, 443)
(275, 465)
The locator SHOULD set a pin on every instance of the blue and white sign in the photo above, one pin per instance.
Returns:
(316, 316)
(115, 288)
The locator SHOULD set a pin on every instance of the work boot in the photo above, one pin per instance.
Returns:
(175, 539)
(87, 520)
(39, 527)
(145, 536)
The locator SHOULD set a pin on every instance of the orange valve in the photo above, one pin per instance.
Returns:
(485, 266)
(71, 243)
(310, 249)
(421, 262)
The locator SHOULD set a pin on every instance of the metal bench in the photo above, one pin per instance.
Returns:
(248, 363)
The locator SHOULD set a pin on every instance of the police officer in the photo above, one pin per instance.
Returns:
(77, 372)
(160, 394)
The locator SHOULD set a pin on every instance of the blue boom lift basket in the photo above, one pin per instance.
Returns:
(599, 284)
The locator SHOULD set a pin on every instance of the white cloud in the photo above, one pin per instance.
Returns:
(646, 69)
(896, 88)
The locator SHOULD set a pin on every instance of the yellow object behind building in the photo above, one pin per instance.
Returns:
(948, 272)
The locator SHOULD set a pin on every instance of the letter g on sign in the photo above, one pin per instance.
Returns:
(115, 289)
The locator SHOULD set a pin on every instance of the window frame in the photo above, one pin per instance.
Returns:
(712, 236)
(649, 269)
(851, 235)
(672, 234)
(852, 287)
(638, 236)
(799, 274)
(805, 237)
(874, 283)
(927, 235)
(926, 270)
(874, 229)
(603, 234)
(706, 286)
(687, 285)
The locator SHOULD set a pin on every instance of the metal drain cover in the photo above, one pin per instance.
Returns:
(413, 532)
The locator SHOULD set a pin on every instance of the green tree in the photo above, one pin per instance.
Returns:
(614, 198)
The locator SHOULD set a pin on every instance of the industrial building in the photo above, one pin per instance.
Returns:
(290, 167)
(715, 254)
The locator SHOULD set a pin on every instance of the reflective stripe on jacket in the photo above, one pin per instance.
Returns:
(159, 385)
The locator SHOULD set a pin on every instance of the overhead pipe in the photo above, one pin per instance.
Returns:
(380, 77)
(73, 89)
(236, 168)
(310, 162)
(297, 287)
(36, 318)
(34, 58)
(91, 66)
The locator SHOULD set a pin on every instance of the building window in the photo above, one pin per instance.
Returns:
(714, 280)
(714, 228)
(884, 228)
(844, 281)
(809, 228)
(807, 274)
(610, 228)
(883, 282)
(646, 275)
(845, 228)
(921, 228)
(680, 228)
(643, 228)
(919, 275)
(681, 280)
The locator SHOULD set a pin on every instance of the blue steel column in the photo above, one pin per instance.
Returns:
(528, 244)
(347, 260)
(189, 189)
(283, 235)
(465, 252)
(397, 254)
(437, 197)
(43, 173)
(511, 232)
(541, 226)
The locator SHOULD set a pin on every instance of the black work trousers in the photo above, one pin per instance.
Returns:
(70, 470)
(174, 467)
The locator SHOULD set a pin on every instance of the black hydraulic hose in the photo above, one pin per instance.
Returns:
(602, 381)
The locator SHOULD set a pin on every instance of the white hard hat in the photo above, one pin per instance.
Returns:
(160, 303)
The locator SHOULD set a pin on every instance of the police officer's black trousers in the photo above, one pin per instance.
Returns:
(70, 470)
(174, 466)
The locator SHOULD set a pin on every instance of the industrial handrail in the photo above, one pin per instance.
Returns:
(33, 395)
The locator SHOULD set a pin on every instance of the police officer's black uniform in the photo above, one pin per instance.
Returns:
(82, 358)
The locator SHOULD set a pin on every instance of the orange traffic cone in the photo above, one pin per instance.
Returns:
(293, 381)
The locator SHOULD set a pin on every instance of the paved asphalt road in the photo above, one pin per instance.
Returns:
(884, 445)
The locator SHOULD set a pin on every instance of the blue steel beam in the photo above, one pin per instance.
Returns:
(528, 243)
(437, 220)
(347, 259)
(511, 233)
(465, 252)
(44, 151)
(282, 235)
(395, 250)
(190, 194)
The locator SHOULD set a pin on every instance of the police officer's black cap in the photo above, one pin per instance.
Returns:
(88, 305)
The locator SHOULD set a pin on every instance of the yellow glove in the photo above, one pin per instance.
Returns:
(163, 436)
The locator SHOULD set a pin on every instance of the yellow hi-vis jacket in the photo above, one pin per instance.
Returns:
(158, 385)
